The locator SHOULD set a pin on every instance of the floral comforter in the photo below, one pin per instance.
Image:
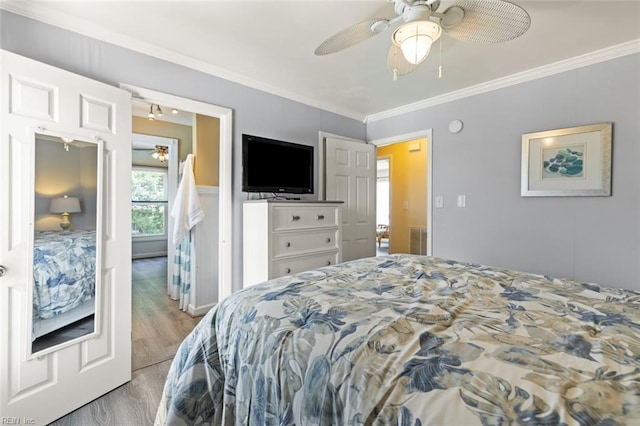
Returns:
(411, 340)
(64, 271)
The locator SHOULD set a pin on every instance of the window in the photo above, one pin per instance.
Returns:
(149, 202)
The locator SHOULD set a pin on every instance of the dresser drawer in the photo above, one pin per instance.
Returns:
(288, 266)
(295, 217)
(287, 244)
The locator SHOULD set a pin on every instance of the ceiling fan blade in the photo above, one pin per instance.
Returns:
(351, 36)
(397, 64)
(485, 21)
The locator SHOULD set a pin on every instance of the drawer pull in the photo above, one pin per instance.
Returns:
(288, 270)
(287, 244)
(295, 217)
(328, 263)
(328, 240)
(320, 217)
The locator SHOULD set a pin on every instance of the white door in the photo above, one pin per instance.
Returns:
(40, 388)
(350, 176)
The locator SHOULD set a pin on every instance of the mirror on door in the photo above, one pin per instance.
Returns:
(66, 240)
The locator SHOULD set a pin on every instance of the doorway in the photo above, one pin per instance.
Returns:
(185, 118)
(412, 211)
(225, 116)
(153, 190)
(383, 201)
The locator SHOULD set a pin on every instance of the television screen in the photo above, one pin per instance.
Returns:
(270, 165)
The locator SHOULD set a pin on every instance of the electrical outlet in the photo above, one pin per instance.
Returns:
(439, 201)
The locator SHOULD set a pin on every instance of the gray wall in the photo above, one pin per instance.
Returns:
(586, 238)
(59, 173)
(255, 112)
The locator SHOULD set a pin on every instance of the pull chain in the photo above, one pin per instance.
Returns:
(440, 66)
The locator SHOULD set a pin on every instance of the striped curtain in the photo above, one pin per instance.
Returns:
(181, 280)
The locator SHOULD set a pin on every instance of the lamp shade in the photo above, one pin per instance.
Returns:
(415, 39)
(65, 205)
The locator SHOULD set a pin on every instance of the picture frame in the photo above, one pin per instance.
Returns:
(569, 162)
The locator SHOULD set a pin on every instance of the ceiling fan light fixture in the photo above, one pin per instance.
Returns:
(161, 153)
(415, 39)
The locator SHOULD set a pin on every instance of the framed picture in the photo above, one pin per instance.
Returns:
(570, 162)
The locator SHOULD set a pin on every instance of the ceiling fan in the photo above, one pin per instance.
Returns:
(160, 152)
(476, 21)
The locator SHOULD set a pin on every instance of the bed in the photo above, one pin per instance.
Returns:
(411, 340)
(64, 275)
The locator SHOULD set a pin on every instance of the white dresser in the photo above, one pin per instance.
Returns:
(286, 237)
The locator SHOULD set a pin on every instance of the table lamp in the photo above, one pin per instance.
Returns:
(65, 205)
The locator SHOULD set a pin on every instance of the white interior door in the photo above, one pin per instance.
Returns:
(39, 388)
(350, 176)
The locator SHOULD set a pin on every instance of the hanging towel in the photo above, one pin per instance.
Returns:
(186, 211)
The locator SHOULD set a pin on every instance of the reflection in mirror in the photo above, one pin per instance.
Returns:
(66, 207)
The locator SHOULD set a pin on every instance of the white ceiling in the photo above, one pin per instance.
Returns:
(269, 44)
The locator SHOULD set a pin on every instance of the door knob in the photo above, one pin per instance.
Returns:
(2, 270)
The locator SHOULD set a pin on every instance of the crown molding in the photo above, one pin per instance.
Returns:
(39, 12)
(576, 62)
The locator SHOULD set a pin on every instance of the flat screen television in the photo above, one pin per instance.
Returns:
(276, 166)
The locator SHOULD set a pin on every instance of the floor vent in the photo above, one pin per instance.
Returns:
(417, 240)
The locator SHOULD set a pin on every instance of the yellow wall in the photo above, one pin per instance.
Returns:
(169, 130)
(408, 183)
(206, 147)
(203, 140)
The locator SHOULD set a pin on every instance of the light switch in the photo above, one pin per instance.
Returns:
(439, 201)
(405, 205)
(462, 200)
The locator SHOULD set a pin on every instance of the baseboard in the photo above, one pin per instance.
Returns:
(200, 310)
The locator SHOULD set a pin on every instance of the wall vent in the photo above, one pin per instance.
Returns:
(417, 240)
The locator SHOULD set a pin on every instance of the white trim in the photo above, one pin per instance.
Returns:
(200, 310)
(206, 189)
(148, 255)
(401, 138)
(148, 238)
(591, 58)
(428, 134)
(52, 17)
(225, 115)
(41, 13)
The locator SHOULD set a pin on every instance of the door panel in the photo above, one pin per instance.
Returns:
(41, 387)
(350, 177)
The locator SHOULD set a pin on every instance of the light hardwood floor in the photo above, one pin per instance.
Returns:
(158, 327)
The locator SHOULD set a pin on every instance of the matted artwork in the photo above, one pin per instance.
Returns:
(574, 161)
